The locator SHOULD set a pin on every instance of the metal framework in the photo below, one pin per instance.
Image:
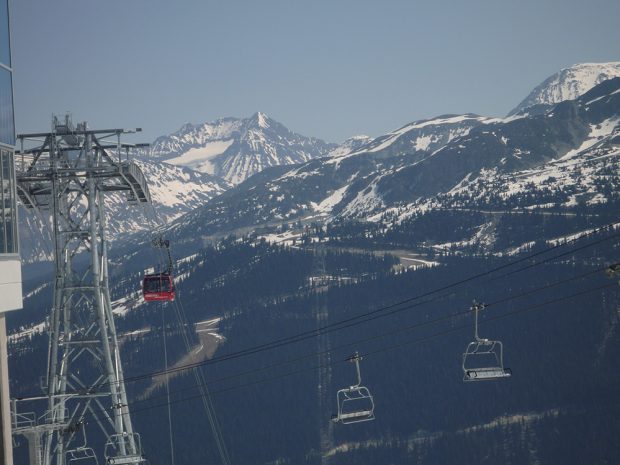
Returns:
(70, 175)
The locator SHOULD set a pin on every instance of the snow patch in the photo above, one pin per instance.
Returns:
(199, 158)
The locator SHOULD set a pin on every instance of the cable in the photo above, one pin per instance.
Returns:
(200, 380)
(343, 323)
(372, 315)
(393, 332)
(393, 347)
(388, 348)
(163, 325)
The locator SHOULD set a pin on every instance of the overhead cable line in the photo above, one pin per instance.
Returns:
(384, 349)
(386, 334)
(378, 313)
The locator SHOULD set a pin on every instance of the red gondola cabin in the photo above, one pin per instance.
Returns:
(158, 287)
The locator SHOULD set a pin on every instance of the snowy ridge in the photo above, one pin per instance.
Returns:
(352, 144)
(236, 149)
(564, 158)
(569, 83)
(175, 190)
(419, 136)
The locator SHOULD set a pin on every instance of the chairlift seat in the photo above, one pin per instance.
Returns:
(362, 415)
(490, 373)
(124, 460)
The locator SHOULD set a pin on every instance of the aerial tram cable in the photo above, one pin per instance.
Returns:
(382, 350)
(271, 345)
(394, 332)
(168, 295)
(425, 323)
(167, 381)
(385, 349)
(374, 313)
(204, 390)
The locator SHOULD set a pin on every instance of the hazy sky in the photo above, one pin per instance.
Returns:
(330, 69)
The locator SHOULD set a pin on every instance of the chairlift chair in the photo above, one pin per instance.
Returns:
(123, 449)
(160, 286)
(355, 403)
(81, 456)
(483, 359)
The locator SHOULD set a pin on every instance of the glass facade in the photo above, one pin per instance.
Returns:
(5, 38)
(7, 125)
(8, 204)
(8, 212)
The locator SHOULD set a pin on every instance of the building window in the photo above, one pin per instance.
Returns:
(7, 124)
(8, 208)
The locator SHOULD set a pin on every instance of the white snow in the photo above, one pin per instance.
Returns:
(394, 135)
(570, 83)
(604, 129)
(200, 158)
(328, 204)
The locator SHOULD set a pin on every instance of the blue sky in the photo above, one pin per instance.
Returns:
(329, 69)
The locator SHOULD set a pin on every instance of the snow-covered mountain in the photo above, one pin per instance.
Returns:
(175, 190)
(418, 137)
(569, 83)
(350, 145)
(236, 149)
(409, 169)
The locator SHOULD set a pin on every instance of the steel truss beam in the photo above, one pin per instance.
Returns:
(69, 174)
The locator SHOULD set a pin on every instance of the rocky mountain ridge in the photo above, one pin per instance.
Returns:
(235, 149)
(568, 84)
(573, 137)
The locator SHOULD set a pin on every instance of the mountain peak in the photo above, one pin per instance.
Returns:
(185, 127)
(569, 84)
(235, 149)
(261, 119)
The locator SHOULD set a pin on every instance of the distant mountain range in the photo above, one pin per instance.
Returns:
(565, 157)
(283, 176)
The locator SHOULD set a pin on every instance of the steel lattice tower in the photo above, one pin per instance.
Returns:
(87, 410)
